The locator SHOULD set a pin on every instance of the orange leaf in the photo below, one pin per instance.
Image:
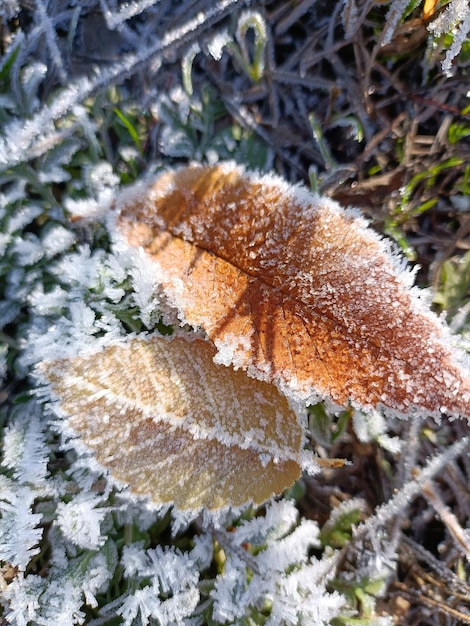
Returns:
(295, 290)
(429, 8)
(175, 427)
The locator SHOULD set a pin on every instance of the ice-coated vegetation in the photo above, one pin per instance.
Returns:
(94, 96)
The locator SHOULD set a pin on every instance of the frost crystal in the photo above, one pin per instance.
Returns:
(372, 426)
(60, 598)
(395, 13)
(80, 520)
(20, 532)
(144, 282)
(168, 591)
(217, 44)
(298, 597)
(26, 455)
(25, 449)
(454, 19)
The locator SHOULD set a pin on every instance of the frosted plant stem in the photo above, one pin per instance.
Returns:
(447, 518)
(399, 503)
(395, 13)
(408, 458)
(18, 143)
(416, 551)
(51, 39)
(113, 20)
(407, 463)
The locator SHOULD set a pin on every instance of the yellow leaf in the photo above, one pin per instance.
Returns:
(295, 290)
(429, 8)
(164, 419)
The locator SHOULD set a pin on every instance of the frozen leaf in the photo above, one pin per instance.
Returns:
(163, 418)
(25, 451)
(20, 532)
(295, 290)
(59, 598)
(282, 576)
(80, 520)
(454, 20)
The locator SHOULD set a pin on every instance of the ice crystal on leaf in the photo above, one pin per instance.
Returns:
(455, 19)
(24, 445)
(283, 577)
(59, 598)
(372, 426)
(176, 427)
(170, 569)
(295, 290)
(20, 532)
(26, 456)
(80, 520)
(100, 184)
(167, 583)
(144, 604)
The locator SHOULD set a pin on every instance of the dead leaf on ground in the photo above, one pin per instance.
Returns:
(295, 290)
(164, 419)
